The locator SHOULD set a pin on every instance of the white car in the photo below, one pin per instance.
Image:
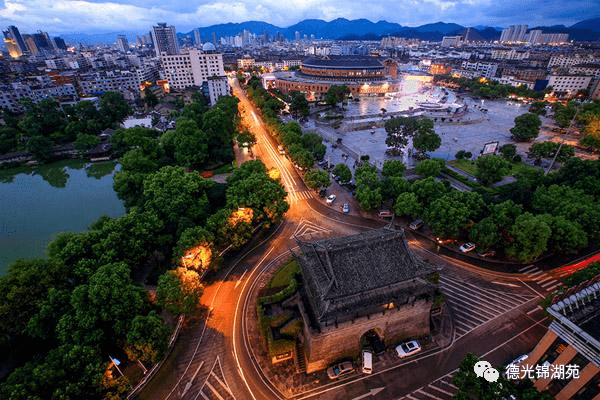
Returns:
(467, 247)
(408, 348)
(518, 360)
(341, 369)
(331, 198)
(346, 208)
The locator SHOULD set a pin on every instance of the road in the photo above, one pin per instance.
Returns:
(496, 315)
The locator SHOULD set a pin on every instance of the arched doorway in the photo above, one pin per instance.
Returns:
(373, 339)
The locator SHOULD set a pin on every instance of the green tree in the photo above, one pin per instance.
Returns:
(314, 144)
(85, 143)
(393, 168)
(453, 212)
(316, 179)
(124, 140)
(462, 154)
(188, 143)
(368, 188)
(428, 189)
(298, 105)
(9, 139)
(179, 290)
(150, 98)
(179, 198)
(399, 131)
(41, 148)
(527, 127)
(548, 150)
(45, 118)
(343, 172)
(407, 204)
(148, 338)
(508, 151)
(470, 386)
(336, 94)
(114, 108)
(425, 138)
(485, 233)
(563, 115)
(246, 137)
(491, 169)
(432, 167)
(530, 237)
(250, 186)
(567, 236)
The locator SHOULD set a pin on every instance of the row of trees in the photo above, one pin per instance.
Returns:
(45, 124)
(490, 89)
(64, 316)
(303, 149)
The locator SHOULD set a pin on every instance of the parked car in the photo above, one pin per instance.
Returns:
(367, 362)
(518, 360)
(408, 348)
(385, 214)
(346, 208)
(489, 253)
(467, 247)
(341, 369)
(281, 149)
(416, 224)
(444, 241)
(331, 198)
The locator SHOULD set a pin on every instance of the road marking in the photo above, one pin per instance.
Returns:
(534, 310)
(551, 288)
(544, 280)
(536, 275)
(506, 284)
(240, 280)
(371, 392)
(528, 268)
(189, 384)
(440, 390)
(533, 290)
(212, 389)
(549, 283)
(427, 394)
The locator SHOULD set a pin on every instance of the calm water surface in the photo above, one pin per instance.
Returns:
(37, 205)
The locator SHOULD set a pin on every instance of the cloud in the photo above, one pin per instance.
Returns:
(131, 15)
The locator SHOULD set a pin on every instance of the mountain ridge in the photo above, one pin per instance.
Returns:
(341, 28)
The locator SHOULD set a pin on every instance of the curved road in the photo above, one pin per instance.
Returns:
(496, 315)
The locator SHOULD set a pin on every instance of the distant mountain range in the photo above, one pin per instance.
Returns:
(358, 29)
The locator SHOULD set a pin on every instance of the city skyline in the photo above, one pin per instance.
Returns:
(70, 16)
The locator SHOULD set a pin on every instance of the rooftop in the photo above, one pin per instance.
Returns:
(345, 275)
(343, 62)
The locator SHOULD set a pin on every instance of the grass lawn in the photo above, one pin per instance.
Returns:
(471, 167)
(466, 165)
(283, 275)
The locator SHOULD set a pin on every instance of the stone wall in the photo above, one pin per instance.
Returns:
(332, 343)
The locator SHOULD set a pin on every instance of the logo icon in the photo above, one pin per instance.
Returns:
(484, 369)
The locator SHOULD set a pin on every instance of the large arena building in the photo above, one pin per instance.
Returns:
(363, 75)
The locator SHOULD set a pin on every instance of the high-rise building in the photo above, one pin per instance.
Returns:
(165, 39)
(14, 42)
(60, 43)
(197, 37)
(514, 33)
(297, 36)
(122, 43)
(192, 67)
(31, 45)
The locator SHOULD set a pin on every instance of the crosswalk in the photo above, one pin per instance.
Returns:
(440, 389)
(542, 278)
(294, 197)
(215, 386)
(473, 305)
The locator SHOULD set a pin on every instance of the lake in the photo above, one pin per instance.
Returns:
(38, 203)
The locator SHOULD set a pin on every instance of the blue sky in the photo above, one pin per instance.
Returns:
(88, 16)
